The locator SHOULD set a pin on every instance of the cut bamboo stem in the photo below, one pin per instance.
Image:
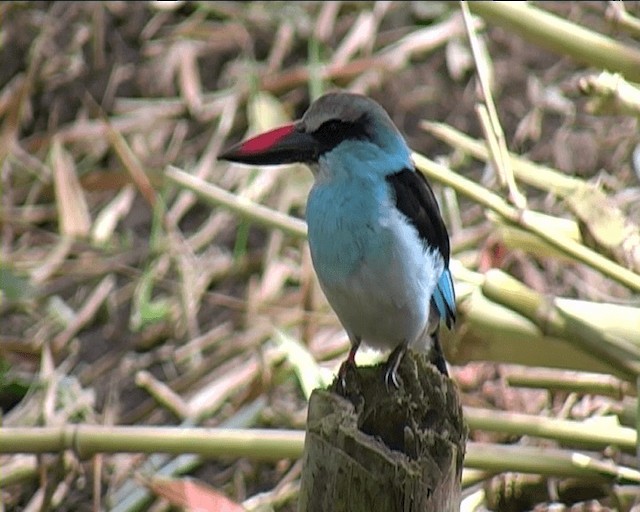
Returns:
(385, 449)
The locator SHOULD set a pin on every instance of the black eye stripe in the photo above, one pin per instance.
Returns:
(332, 132)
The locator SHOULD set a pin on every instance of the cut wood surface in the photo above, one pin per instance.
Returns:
(385, 449)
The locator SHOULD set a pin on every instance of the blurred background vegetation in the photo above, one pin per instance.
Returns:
(141, 283)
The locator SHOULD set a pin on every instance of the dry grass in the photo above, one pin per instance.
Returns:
(125, 299)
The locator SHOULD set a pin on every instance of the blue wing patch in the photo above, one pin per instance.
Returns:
(444, 298)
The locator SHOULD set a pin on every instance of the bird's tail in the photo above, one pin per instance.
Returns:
(429, 343)
(437, 356)
(432, 341)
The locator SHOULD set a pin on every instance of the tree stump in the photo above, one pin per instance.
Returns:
(378, 449)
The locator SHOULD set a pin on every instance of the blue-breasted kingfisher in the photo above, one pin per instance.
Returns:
(379, 245)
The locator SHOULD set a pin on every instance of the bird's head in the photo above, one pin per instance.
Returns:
(338, 131)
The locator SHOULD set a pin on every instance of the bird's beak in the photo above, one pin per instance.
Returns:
(283, 145)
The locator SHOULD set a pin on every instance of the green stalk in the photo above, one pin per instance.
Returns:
(246, 208)
(266, 444)
(527, 220)
(314, 64)
(561, 36)
(536, 175)
(474, 476)
(573, 382)
(591, 435)
(488, 115)
(88, 440)
(13, 473)
(610, 94)
(516, 339)
(544, 461)
(552, 319)
(617, 14)
(517, 238)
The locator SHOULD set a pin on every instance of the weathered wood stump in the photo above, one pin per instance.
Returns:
(378, 449)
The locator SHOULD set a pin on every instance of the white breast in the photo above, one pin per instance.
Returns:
(385, 300)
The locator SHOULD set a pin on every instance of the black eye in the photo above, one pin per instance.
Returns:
(333, 131)
(333, 126)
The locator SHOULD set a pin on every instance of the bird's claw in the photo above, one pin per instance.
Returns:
(391, 373)
(342, 376)
(391, 378)
(348, 364)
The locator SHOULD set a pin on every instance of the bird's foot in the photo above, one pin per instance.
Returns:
(391, 374)
(347, 365)
(391, 379)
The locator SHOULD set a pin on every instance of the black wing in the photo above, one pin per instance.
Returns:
(415, 199)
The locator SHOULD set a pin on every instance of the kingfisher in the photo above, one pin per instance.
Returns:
(379, 245)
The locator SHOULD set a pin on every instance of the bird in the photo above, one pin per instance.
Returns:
(379, 245)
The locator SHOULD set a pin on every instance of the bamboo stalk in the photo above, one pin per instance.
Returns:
(617, 14)
(87, 440)
(591, 435)
(610, 94)
(242, 206)
(575, 382)
(544, 461)
(517, 238)
(494, 332)
(552, 319)
(535, 175)
(17, 471)
(527, 220)
(266, 444)
(561, 36)
(488, 115)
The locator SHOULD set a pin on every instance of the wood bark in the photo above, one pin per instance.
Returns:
(369, 448)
